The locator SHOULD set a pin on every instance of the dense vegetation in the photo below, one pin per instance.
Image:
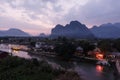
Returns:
(14, 68)
(109, 45)
(65, 50)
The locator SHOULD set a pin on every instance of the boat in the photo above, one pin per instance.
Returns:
(15, 48)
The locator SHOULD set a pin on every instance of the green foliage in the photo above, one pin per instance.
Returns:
(86, 46)
(62, 39)
(65, 50)
(32, 44)
(117, 44)
(14, 68)
(105, 45)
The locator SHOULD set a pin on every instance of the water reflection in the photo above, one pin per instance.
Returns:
(89, 71)
(21, 54)
(99, 68)
(14, 51)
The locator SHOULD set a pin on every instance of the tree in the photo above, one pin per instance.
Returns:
(32, 44)
(86, 46)
(65, 50)
(116, 44)
(105, 45)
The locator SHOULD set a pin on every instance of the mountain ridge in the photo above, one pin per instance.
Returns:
(72, 30)
(108, 30)
(13, 32)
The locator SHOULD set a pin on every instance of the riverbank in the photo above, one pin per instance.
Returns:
(14, 68)
(85, 61)
(82, 68)
(73, 58)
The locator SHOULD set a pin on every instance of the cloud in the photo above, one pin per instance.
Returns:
(45, 14)
(8, 22)
(96, 12)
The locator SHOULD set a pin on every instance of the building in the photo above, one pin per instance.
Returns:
(39, 44)
(79, 51)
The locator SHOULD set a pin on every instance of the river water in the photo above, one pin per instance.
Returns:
(86, 70)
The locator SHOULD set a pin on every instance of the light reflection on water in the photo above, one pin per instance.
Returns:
(15, 51)
(91, 72)
(21, 54)
(99, 68)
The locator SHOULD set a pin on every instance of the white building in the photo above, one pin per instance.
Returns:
(39, 44)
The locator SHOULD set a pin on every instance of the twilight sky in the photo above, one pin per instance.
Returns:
(38, 16)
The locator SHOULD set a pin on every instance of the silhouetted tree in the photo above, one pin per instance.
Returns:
(65, 50)
(86, 46)
(116, 44)
(105, 45)
(32, 44)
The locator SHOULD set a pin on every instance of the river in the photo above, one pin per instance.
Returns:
(86, 70)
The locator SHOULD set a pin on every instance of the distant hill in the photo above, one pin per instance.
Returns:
(13, 32)
(73, 30)
(43, 35)
(107, 30)
(117, 25)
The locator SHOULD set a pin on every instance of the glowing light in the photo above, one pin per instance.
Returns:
(99, 56)
(15, 48)
(15, 51)
(99, 68)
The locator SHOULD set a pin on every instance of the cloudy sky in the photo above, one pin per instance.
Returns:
(39, 16)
